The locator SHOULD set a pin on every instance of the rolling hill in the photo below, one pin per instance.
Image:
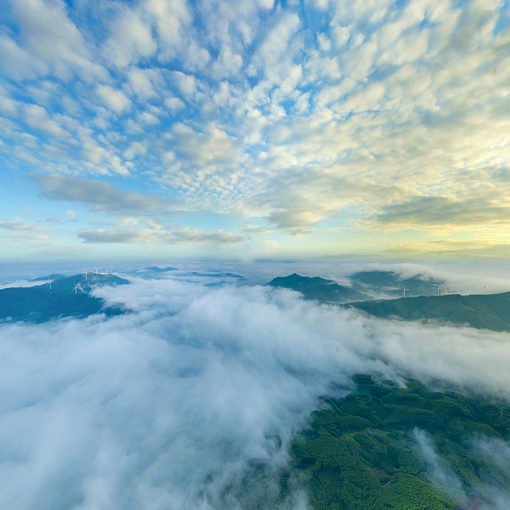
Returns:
(317, 288)
(388, 447)
(391, 284)
(491, 311)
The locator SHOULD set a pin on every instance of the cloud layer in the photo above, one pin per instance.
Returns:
(173, 405)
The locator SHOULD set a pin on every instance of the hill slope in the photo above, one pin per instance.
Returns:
(491, 311)
(393, 285)
(318, 288)
(387, 447)
(64, 297)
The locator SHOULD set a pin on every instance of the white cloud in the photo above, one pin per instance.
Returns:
(266, 4)
(114, 99)
(174, 103)
(64, 51)
(228, 63)
(135, 149)
(186, 83)
(18, 62)
(141, 81)
(8, 106)
(212, 145)
(148, 118)
(172, 20)
(37, 118)
(274, 49)
(130, 39)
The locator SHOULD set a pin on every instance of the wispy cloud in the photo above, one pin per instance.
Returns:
(100, 196)
(18, 225)
(148, 235)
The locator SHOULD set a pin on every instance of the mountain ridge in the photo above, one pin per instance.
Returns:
(317, 288)
(64, 297)
(482, 311)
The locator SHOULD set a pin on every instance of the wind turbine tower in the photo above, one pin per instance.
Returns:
(77, 287)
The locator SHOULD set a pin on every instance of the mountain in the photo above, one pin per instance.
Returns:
(63, 297)
(364, 285)
(155, 269)
(220, 274)
(53, 276)
(317, 288)
(373, 450)
(491, 311)
(391, 284)
(85, 282)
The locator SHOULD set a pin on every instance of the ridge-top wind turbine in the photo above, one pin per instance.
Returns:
(77, 287)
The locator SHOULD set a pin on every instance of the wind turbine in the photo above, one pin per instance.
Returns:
(77, 287)
(438, 290)
(85, 274)
(404, 290)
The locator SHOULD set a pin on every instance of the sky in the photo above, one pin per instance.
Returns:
(258, 128)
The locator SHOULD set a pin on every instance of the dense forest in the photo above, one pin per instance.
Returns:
(402, 448)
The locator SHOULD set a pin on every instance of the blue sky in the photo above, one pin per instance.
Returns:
(153, 128)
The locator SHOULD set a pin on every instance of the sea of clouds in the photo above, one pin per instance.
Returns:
(179, 402)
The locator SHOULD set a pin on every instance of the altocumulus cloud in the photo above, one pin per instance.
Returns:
(172, 405)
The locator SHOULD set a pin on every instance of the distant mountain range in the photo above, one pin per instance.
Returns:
(490, 311)
(70, 297)
(155, 269)
(156, 272)
(63, 297)
(364, 285)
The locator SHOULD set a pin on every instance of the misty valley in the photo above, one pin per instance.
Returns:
(197, 388)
